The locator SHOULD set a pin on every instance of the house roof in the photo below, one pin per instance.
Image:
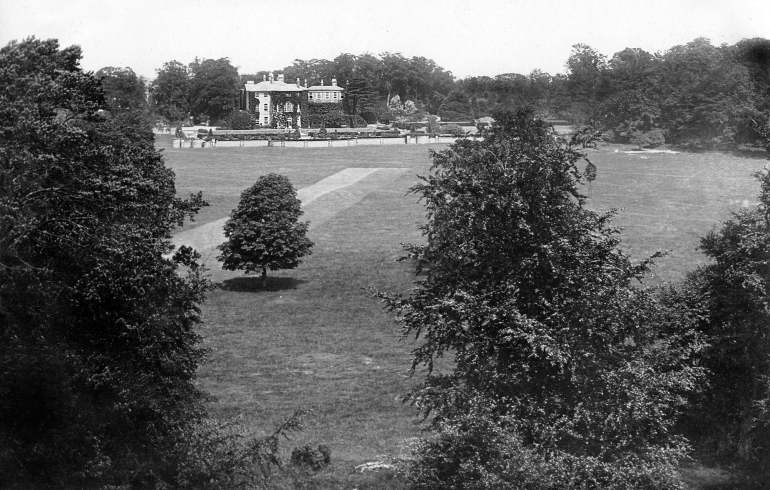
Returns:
(275, 86)
(317, 88)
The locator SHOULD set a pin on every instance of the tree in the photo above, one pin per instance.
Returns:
(730, 296)
(632, 102)
(455, 107)
(556, 354)
(97, 349)
(707, 94)
(585, 81)
(98, 352)
(123, 89)
(214, 88)
(263, 232)
(170, 91)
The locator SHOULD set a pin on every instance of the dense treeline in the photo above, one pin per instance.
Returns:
(696, 95)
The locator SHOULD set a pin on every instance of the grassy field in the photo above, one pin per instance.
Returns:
(316, 339)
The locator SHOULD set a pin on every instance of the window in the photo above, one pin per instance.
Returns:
(327, 95)
(265, 106)
(266, 122)
(289, 107)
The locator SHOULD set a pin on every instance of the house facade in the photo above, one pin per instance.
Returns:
(325, 93)
(273, 101)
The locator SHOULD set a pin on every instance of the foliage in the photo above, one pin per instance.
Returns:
(585, 83)
(731, 296)
(123, 89)
(649, 139)
(452, 129)
(531, 294)
(240, 120)
(263, 232)
(97, 346)
(434, 127)
(357, 122)
(479, 450)
(455, 107)
(214, 87)
(327, 114)
(170, 91)
(309, 457)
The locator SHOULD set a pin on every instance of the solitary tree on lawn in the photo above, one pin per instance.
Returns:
(263, 232)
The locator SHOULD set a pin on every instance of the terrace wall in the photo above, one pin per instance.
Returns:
(411, 140)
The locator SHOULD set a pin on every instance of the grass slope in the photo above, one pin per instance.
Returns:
(316, 339)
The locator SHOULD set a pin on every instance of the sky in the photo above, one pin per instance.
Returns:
(468, 38)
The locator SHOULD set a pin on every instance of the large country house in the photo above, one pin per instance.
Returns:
(274, 100)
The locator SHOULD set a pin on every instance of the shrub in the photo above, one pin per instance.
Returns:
(308, 457)
(240, 120)
(452, 129)
(650, 139)
(479, 451)
(357, 121)
(608, 136)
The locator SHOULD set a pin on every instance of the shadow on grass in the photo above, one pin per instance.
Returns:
(253, 284)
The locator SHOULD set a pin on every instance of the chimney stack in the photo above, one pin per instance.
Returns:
(334, 82)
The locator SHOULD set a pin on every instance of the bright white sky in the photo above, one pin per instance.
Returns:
(486, 37)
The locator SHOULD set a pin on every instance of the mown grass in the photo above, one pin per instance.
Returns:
(316, 339)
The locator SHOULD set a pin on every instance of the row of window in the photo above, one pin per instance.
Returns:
(324, 96)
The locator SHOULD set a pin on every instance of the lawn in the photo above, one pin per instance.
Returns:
(316, 339)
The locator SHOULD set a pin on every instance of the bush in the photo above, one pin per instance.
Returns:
(650, 139)
(477, 451)
(608, 136)
(357, 121)
(452, 129)
(314, 459)
(240, 120)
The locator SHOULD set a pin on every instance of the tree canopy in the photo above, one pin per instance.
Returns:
(263, 232)
(214, 88)
(170, 91)
(556, 353)
(123, 89)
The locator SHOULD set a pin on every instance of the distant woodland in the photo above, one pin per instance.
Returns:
(695, 95)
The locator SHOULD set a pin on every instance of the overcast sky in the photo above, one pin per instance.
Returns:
(466, 37)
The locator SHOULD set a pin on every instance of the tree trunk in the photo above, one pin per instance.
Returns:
(264, 277)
